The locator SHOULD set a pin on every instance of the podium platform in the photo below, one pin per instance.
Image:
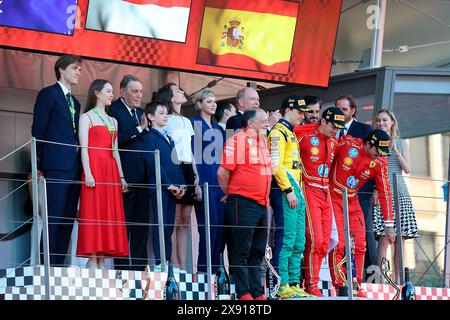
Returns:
(74, 283)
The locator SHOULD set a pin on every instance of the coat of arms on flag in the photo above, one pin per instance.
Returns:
(232, 35)
(250, 35)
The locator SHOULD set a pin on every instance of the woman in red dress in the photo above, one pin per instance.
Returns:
(102, 232)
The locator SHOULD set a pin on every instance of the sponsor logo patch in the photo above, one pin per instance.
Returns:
(348, 161)
(323, 170)
(315, 141)
(314, 151)
(366, 174)
(352, 182)
(353, 153)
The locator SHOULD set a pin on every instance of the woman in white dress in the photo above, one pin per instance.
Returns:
(180, 129)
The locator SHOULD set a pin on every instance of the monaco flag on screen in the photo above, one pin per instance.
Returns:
(160, 19)
(251, 35)
(56, 16)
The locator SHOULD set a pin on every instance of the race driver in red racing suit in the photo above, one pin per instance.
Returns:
(317, 144)
(356, 162)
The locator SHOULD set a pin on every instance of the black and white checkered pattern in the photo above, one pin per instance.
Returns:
(28, 283)
(327, 288)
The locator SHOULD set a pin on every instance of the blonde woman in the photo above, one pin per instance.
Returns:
(398, 163)
(208, 147)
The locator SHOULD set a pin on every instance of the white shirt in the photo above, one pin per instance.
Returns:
(163, 133)
(180, 129)
(345, 130)
(64, 89)
(347, 126)
(139, 128)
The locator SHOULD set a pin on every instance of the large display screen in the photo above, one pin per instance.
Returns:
(270, 40)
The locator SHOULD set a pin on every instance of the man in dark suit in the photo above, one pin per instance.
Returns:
(360, 130)
(246, 99)
(132, 129)
(55, 119)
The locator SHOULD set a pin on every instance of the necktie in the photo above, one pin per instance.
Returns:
(133, 112)
(342, 132)
(167, 137)
(71, 109)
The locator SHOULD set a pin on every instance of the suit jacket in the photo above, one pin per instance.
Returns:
(52, 121)
(361, 130)
(170, 170)
(133, 163)
(235, 122)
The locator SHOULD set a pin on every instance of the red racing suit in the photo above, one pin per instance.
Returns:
(352, 168)
(317, 153)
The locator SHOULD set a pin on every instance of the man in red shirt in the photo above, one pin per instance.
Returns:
(358, 161)
(317, 144)
(245, 177)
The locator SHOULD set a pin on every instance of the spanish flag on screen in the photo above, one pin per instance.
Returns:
(251, 35)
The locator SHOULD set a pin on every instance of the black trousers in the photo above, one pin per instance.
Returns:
(137, 216)
(246, 221)
(62, 202)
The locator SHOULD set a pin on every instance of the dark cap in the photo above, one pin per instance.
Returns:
(295, 102)
(381, 140)
(335, 116)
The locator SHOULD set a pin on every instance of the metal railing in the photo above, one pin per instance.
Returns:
(41, 198)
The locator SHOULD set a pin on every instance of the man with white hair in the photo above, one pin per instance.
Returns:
(247, 99)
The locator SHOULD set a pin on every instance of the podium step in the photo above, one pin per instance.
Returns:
(74, 283)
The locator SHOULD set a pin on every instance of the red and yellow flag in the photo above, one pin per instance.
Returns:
(252, 35)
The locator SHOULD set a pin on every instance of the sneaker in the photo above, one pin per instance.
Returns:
(263, 297)
(314, 290)
(157, 268)
(300, 292)
(246, 296)
(285, 292)
(361, 293)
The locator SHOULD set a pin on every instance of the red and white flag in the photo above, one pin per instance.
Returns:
(161, 19)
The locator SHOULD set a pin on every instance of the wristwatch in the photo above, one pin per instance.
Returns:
(288, 190)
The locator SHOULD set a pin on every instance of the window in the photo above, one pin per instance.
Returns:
(445, 154)
(419, 156)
